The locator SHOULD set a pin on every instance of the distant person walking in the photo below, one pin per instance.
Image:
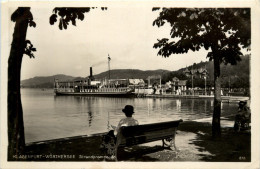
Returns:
(154, 90)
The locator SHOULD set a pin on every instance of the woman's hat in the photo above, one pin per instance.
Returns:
(128, 109)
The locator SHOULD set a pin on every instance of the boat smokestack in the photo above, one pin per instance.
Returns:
(91, 77)
(91, 73)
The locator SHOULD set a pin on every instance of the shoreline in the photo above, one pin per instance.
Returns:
(224, 98)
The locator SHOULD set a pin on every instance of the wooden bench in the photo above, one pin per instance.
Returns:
(133, 135)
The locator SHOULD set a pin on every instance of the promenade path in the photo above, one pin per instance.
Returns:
(193, 140)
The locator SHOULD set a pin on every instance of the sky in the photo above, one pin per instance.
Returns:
(125, 33)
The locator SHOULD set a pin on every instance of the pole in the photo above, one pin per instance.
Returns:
(205, 80)
(205, 84)
(192, 80)
(108, 125)
(229, 83)
(109, 67)
(160, 82)
(192, 83)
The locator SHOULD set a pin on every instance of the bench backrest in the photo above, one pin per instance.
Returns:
(139, 134)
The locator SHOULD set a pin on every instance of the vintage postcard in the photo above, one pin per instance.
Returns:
(130, 84)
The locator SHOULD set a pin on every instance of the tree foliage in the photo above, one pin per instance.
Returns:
(24, 13)
(226, 30)
(68, 15)
(223, 31)
(29, 49)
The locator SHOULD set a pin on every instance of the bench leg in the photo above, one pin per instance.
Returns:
(116, 148)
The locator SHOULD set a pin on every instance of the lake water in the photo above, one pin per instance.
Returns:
(47, 116)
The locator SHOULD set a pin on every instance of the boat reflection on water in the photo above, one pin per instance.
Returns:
(178, 105)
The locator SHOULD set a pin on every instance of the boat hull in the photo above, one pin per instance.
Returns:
(104, 94)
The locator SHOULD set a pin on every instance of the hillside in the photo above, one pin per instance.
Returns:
(234, 76)
(47, 82)
(44, 81)
(130, 74)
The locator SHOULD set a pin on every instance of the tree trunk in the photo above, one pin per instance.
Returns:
(16, 139)
(216, 129)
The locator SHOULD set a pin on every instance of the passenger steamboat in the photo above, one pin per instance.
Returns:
(92, 87)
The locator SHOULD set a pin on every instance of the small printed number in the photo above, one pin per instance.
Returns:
(242, 158)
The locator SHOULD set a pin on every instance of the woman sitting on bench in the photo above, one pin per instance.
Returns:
(128, 121)
(109, 140)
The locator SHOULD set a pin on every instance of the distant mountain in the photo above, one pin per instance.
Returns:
(130, 74)
(231, 75)
(47, 82)
(44, 81)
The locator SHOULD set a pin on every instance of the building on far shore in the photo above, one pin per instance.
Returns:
(178, 86)
(136, 83)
